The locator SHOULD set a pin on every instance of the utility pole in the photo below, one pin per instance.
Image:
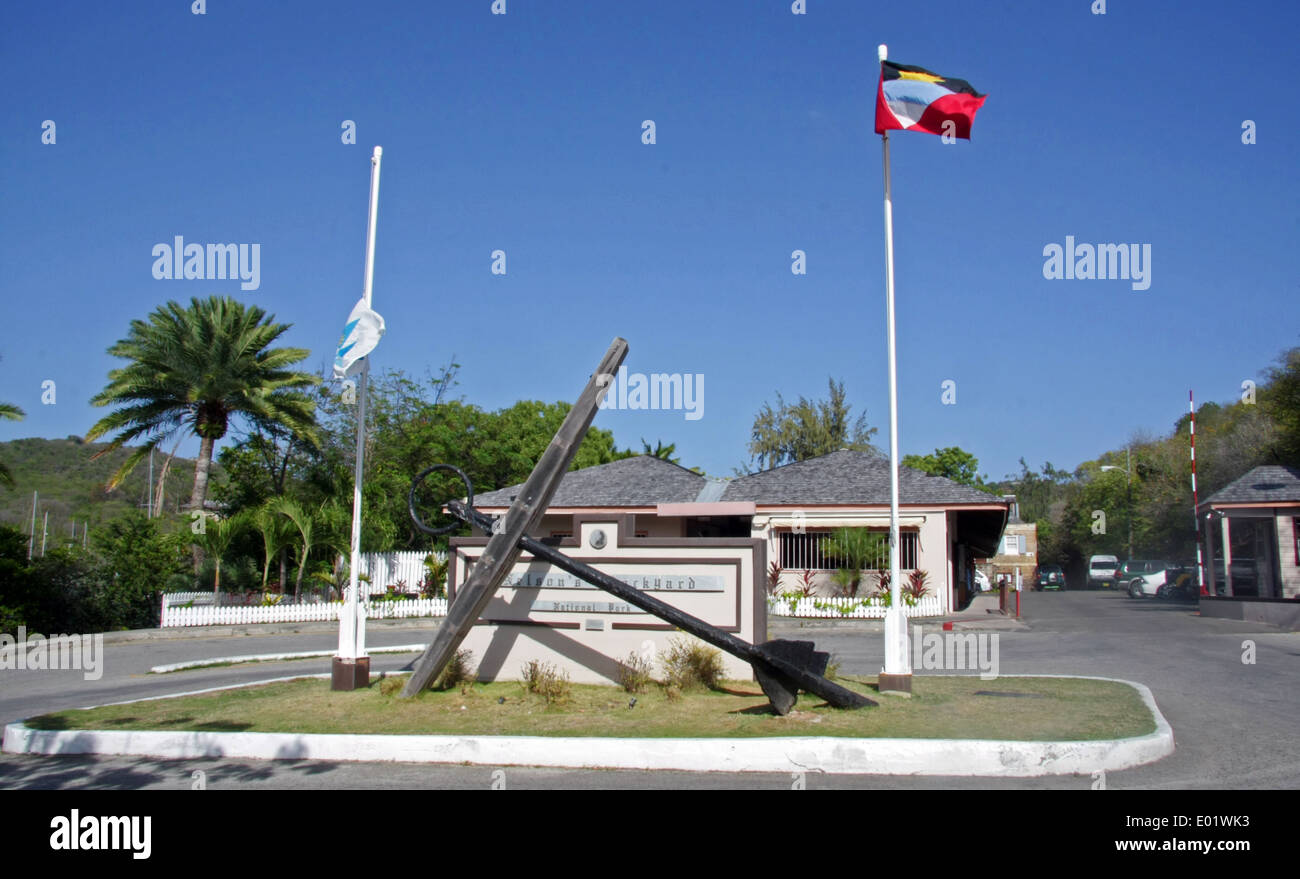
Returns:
(1128, 459)
(1128, 492)
(31, 535)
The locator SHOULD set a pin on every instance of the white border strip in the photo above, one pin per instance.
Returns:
(828, 754)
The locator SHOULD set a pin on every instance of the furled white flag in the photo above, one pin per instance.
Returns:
(360, 336)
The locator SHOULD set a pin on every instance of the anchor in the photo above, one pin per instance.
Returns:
(782, 667)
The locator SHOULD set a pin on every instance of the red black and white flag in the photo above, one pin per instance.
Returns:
(915, 99)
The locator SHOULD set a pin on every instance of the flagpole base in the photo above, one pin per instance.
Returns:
(350, 674)
(895, 685)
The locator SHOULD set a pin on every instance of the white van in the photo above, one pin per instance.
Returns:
(1102, 570)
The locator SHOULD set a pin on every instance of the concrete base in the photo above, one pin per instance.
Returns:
(1280, 612)
(350, 674)
(836, 754)
(895, 685)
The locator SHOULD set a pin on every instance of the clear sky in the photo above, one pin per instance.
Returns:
(523, 133)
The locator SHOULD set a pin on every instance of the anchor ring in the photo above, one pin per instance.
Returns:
(410, 498)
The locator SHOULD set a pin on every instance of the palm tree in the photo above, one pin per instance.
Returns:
(857, 549)
(274, 529)
(336, 524)
(13, 413)
(306, 526)
(661, 451)
(215, 539)
(193, 369)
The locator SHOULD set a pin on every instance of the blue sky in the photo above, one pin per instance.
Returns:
(523, 132)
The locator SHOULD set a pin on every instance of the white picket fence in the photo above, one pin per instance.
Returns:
(387, 568)
(297, 613)
(848, 608)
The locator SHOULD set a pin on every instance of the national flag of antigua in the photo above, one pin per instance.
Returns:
(914, 99)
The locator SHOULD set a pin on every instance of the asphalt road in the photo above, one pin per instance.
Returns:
(1234, 722)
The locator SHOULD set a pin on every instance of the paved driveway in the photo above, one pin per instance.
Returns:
(1235, 723)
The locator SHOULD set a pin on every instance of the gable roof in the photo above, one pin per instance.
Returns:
(843, 477)
(643, 481)
(1262, 485)
(850, 477)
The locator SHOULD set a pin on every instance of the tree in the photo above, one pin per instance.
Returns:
(411, 425)
(1280, 400)
(274, 530)
(306, 527)
(806, 429)
(954, 463)
(857, 549)
(12, 413)
(195, 369)
(139, 559)
(215, 539)
(661, 451)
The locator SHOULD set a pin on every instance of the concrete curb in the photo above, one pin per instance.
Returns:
(174, 633)
(273, 657)
(828, 754)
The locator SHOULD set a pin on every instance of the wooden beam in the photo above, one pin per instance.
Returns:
(503, 547)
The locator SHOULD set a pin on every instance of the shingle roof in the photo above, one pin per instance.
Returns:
(630, 482)
(1263, 485)
(849, 477)
(842, 477)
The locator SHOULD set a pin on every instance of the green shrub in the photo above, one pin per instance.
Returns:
(458, 673)
(634, 673)
(390, 686)
(688, 664)
(545, 680)
(434, 584)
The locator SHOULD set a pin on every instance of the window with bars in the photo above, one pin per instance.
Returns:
(806, 552)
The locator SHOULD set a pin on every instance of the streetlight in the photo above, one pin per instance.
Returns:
(1128, 493)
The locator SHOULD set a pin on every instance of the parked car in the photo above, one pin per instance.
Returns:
(1049, 577)
(1144, 578)
(982, 583)
(1180, 583)
(1101, 570)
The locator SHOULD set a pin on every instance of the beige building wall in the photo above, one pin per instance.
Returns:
(931, 525)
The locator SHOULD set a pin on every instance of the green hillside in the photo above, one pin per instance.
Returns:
(71, 485)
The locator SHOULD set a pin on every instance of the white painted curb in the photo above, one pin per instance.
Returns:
(828, 754)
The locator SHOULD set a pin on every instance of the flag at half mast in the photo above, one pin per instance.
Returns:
(915, 99)
(360, 336)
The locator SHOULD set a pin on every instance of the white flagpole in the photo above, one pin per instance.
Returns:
(31, 535)
(352, 623)
(897, 665)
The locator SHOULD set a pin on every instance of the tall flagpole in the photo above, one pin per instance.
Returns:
(897, 674)
(352, 665)
(31, 535)
(1196, 515)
